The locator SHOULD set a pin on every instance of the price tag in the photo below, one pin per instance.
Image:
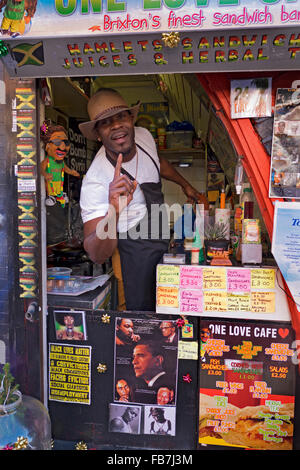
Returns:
(214, 278)
(191, 301)
(263, 302)
(168, 274)
(239, 303)
(215, 301)
(238, 280)
(263, 278)
(188, 350)
(167, 297)
(191, 276)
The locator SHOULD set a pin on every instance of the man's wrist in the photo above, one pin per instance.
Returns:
(107, 226)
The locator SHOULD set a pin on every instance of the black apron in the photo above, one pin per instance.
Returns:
(140, 256)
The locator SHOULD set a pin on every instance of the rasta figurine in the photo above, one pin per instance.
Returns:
(53, 167)
(17, 14)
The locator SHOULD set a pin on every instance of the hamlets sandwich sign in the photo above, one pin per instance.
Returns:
(54, 18)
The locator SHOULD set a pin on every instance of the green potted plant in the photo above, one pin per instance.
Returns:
(215, 240)
(8, 391)
(24, 421)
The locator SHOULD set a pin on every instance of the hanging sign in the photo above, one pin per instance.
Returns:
(39, 19)
(196, 51)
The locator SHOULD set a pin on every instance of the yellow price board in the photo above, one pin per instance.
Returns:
(167, 297)
(168, 274)
(214, 278)
(263, 302)
(215, 301)
(239, 303)
(262, 278)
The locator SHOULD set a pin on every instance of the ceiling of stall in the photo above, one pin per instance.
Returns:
(68, 98)
(186, 97)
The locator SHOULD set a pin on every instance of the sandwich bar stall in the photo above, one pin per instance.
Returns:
(216, 80)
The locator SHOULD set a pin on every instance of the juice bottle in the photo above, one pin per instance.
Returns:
(247, 197)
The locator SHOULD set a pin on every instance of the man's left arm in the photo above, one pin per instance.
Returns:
(168, 172)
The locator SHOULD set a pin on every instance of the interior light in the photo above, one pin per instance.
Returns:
(184, 164)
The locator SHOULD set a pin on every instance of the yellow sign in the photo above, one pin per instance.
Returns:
(263, 302)
(214, 278)
(167, 297)
(215, 301)
(239, 303)
(263, 278)
(168, 274)
(70, 373)
(188, 350)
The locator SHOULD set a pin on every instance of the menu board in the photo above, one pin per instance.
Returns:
(247, 384)
(201, 290)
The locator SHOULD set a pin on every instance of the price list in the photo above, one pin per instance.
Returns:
(195, 290)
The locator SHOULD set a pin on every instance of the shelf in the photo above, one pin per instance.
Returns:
(182, 153)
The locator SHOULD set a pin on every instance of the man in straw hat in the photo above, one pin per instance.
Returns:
(118, 193)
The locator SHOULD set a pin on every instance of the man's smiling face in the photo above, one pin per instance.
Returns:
(117, 134)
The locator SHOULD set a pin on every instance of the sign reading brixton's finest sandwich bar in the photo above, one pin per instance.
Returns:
(61, 18)
(247, 382)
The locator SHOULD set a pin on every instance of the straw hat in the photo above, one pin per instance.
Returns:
(104, 104)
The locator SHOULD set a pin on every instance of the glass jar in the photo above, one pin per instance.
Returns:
(25, 424)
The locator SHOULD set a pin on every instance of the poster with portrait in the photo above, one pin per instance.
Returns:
(70, 325)
(125, 418)
(145, 361)
(251, 98)
(247, 384)
(160, 421)
(285, 164)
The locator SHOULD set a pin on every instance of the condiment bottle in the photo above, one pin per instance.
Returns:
(247, 197)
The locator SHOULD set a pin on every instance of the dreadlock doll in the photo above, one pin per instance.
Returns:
(14, 17)
(53, 167)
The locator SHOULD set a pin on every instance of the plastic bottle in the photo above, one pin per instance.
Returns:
(153, 130)
(247, 202)
(222, 199)
(239, 175)
(162, 138)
